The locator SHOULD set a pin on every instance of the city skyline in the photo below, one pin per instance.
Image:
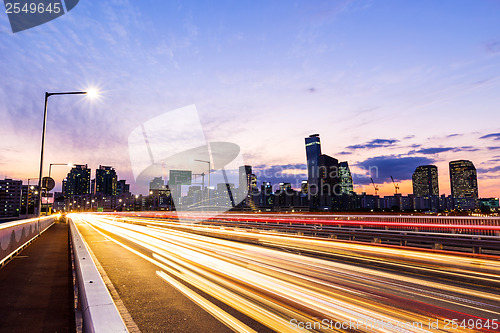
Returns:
(388, 85)
(424, 179)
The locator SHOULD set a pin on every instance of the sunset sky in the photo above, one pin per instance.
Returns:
(388, 84)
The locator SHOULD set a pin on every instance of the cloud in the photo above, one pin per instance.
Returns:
(437, 150)
(453, 135)
(495, 136)
(493, 148)
(344, 153)
(467, 148)
(282, 173)
(493, 47)
(431, 151)
(487, 170)
(375, 143)
(381, 168)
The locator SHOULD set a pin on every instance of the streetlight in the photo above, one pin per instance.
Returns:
(50, 170)
(47, 95)
(65, 164)
(28, 195)
(209, 169)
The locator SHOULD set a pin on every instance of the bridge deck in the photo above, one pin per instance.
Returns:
(36, 289)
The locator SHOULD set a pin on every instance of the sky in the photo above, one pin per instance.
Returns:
(388, 85)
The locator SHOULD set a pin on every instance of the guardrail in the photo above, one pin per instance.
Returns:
(96, 305)
(16, 235)
(464, 234)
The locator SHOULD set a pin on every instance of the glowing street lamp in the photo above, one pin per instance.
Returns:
(47, 95)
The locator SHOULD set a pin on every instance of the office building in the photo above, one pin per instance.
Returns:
(313, 153)
(77, 181)
(245, 184)
(491, 204)
(425, 181)
(266, 195)
(346, 184)
(224, 195)
(245, 178)
(329, 181)
(304, 187)
(10, 197)
(463, 178)
(105, 180)
(157, 183)
(122, 188)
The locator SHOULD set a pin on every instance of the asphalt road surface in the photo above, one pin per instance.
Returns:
(192, 278)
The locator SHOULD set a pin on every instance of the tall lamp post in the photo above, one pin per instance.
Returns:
(50, 170)
(47, 95)
(209, 169)
(65, 164)
(28, 197)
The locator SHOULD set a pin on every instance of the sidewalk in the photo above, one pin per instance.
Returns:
(36, 288)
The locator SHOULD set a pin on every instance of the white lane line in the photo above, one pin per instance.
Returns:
(224, 317)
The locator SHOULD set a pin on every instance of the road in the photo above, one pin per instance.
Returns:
(187, 277)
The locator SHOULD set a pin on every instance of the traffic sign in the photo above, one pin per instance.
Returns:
(48, 183)
(179, 177)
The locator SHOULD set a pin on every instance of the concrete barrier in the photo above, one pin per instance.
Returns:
(98, 309)
(16, 235)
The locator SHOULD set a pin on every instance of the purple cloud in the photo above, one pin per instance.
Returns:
(494, 136)
(381, 168)
(375, 143)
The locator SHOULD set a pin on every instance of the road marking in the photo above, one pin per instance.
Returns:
(127, 318)
(228, 320)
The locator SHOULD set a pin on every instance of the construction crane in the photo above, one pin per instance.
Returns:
(396, 186)
(374, 186)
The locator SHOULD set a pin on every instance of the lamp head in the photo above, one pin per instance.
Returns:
(92, 93)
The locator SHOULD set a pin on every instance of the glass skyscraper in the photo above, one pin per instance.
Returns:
(463, 178)
(105, 180)
(425, 181)
(313, 152)
(346, 184)
(329, 175)
(77, 181)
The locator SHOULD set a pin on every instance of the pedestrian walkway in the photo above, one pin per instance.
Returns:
(36, 288)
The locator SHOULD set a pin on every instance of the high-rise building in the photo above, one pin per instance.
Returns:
(77, 181)
(266, 195)
(92, 186)
(313, 153)
(224, 195)
(245, 178)
(157, 183)
(425, 181)
(253, 183)
(303, 187)
(122, 187)
(329, 175)
(463, 178)
(346, 185)
(105, 180)
(10, 197)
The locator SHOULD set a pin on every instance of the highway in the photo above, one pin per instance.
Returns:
(189, 277)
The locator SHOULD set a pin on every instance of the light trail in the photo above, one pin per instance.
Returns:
(278, 289)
